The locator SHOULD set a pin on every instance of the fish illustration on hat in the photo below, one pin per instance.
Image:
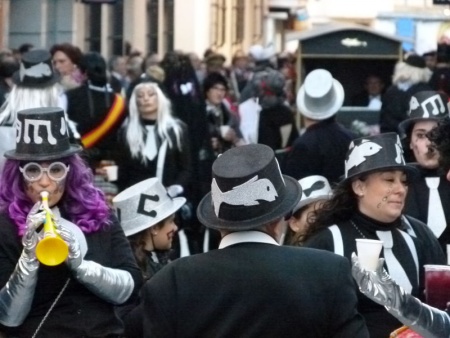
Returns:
(246, 194)
(360, 152)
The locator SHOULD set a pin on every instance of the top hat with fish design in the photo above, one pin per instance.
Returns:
(42, 134)
(381, 152)
(314, 188)
(424, 106)
(144, 205)
(247, 190)
(36, 70)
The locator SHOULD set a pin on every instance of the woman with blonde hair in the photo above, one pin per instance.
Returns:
(155, 142)
(410, 76)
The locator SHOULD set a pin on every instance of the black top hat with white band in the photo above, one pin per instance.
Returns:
(425, 105)
(376, 153)
(36, 70)
(247, 190)
(41, 134)
(144, 205)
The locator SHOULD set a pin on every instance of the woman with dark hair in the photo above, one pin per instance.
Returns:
(368, 203)
(150, 236)
(39, 297)
(222, 123)
(66, 60)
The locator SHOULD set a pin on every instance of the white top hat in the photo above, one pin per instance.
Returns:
(144, 205)
(260, 53)
(320, 96)
(314, 188)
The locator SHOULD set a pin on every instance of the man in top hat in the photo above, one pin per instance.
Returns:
(251, 286)
(431, 191)
(323, 146)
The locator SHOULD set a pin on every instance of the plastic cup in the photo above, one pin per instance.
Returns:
(437, 285)
(368, 252)
(111, 172)
(224, 130)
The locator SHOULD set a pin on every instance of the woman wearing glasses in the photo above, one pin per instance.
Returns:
(76, 297)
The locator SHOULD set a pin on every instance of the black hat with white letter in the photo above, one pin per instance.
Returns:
(42, 134)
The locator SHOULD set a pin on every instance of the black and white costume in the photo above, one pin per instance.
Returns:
(414, 245)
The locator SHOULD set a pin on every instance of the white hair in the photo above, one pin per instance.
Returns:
(21, 98)
(413, 75)
(135, 131)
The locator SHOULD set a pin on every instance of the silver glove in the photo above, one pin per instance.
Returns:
(112, 285)
(382, 289)
(17, 295)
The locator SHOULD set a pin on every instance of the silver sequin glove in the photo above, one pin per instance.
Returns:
(112, 285)
(381, 288)
(17, 295)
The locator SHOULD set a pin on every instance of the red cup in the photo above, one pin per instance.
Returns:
(437, 285)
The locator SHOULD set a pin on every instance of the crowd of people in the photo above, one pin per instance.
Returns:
(226, 217)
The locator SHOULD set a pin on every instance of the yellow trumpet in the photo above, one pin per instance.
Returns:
(51, 250)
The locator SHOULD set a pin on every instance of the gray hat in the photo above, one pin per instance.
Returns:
(423, 106)
(247, 190)
(42, 134)
(144, 205)
(314, 188)
(321, 96)
(381, 152)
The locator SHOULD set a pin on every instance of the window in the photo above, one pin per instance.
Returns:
(218, 18)
(258, 9)
(93, 27)
(115, 38)
(168, 25)
(153, 25)
(238, 26)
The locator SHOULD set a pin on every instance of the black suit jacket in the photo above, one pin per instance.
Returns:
(254, 290)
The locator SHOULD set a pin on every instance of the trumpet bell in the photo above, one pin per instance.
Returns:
(52, 250)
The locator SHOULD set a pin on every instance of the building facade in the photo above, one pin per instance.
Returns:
(158, 26)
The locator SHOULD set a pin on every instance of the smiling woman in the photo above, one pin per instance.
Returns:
(368, 203)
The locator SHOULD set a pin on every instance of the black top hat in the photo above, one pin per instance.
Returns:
(42, 134)
(36, 70)
(376, 153)
(425, 105)
(247, 190)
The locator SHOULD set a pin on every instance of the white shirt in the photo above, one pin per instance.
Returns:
(246, 237)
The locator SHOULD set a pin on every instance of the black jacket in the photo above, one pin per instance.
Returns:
(78, 313)
(253, 290)
(321, 150)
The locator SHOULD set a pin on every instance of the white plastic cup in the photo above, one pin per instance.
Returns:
(111, 172)
(368, 252)
(224, 130)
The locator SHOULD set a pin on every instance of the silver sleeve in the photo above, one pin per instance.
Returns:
(112, 285)
(422, 318)
(18, 293)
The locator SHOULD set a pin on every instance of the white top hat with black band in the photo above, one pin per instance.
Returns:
(321, 96)
(425, 105)
(314, 188)
(376, 153)
(36, 70)
(145, 204)
(247, 190)
(42, 134)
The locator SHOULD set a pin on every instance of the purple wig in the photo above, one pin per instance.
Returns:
(84, 204)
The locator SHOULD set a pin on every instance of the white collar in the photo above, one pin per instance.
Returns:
(246, 237)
